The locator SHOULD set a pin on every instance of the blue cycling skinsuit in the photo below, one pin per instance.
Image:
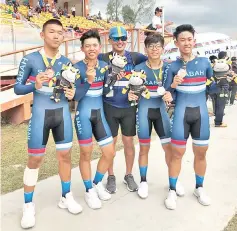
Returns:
(116, 105)
(46, 114)
(90, 117)
(190, 114)
(152, 112)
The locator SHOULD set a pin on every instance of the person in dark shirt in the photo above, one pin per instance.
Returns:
(117, 109)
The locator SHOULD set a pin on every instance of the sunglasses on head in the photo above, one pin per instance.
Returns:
(116, 39)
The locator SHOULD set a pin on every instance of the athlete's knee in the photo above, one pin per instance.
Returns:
(64, 156)
(128, 142)
(30, 176)
(85, 154)
(34, 161)
(108, 152)
(200, 152)
(177, 153)
(144, 150)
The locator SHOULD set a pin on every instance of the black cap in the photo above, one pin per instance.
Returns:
(222, 55)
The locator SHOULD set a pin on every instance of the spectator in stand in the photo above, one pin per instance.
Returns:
(60, 11)
(70, 28)
(88, 17)
(47, 7)
(73, 10)
(77, 29)
(55, 14)
(30, 13)
(18, 16)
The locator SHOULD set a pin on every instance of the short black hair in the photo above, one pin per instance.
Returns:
(222, 55)
(212, 58)
(182, 28)
(52, 21)
(158, 10)
(154, 38)
(90, 34)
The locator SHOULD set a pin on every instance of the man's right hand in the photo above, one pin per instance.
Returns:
(91, 71)
(177, 80)
(40, 79)
(132, 96)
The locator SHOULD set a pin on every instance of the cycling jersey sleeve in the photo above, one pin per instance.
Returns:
(81, 89)
(25, 69)
(168, 80)
(138, 58)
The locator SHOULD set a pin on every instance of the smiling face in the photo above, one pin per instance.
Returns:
(91, 48)
(118, 44)
(154, 50)
(52, 35)
(185, 42)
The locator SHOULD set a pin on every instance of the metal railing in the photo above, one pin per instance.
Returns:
(135, 43)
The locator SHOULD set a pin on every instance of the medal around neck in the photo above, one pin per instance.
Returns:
(50, 72)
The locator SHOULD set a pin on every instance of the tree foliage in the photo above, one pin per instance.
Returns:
(113, 9)
(128, 15)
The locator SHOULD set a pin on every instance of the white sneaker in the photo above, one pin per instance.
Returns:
(92, 199)
(180, 189)
(28, 218)
(69, 203)
(170, 201)
(102, 194)
(203, 199)
(143, 190)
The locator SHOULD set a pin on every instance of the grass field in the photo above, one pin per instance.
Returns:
(14, 156)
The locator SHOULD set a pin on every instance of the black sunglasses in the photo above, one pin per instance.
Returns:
(116, 39)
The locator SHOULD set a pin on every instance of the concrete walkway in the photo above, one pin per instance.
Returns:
(126, 212)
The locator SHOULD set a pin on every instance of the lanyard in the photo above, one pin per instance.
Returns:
(46, 62)
(158, 78)
(45, 59)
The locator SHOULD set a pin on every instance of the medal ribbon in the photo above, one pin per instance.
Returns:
(46, 62)
(158, 78)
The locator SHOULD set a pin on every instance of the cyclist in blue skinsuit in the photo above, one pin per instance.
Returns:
(37, 68)
(152, 112)
(90, 119)
(187, 79)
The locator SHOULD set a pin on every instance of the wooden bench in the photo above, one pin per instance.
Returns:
(16, 108)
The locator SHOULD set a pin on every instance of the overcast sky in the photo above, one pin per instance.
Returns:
(204, 15)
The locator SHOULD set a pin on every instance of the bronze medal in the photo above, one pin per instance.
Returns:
(50, 72)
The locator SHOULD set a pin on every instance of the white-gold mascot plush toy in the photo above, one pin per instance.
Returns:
(68, 76)
(137, 85)
(117, 64)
